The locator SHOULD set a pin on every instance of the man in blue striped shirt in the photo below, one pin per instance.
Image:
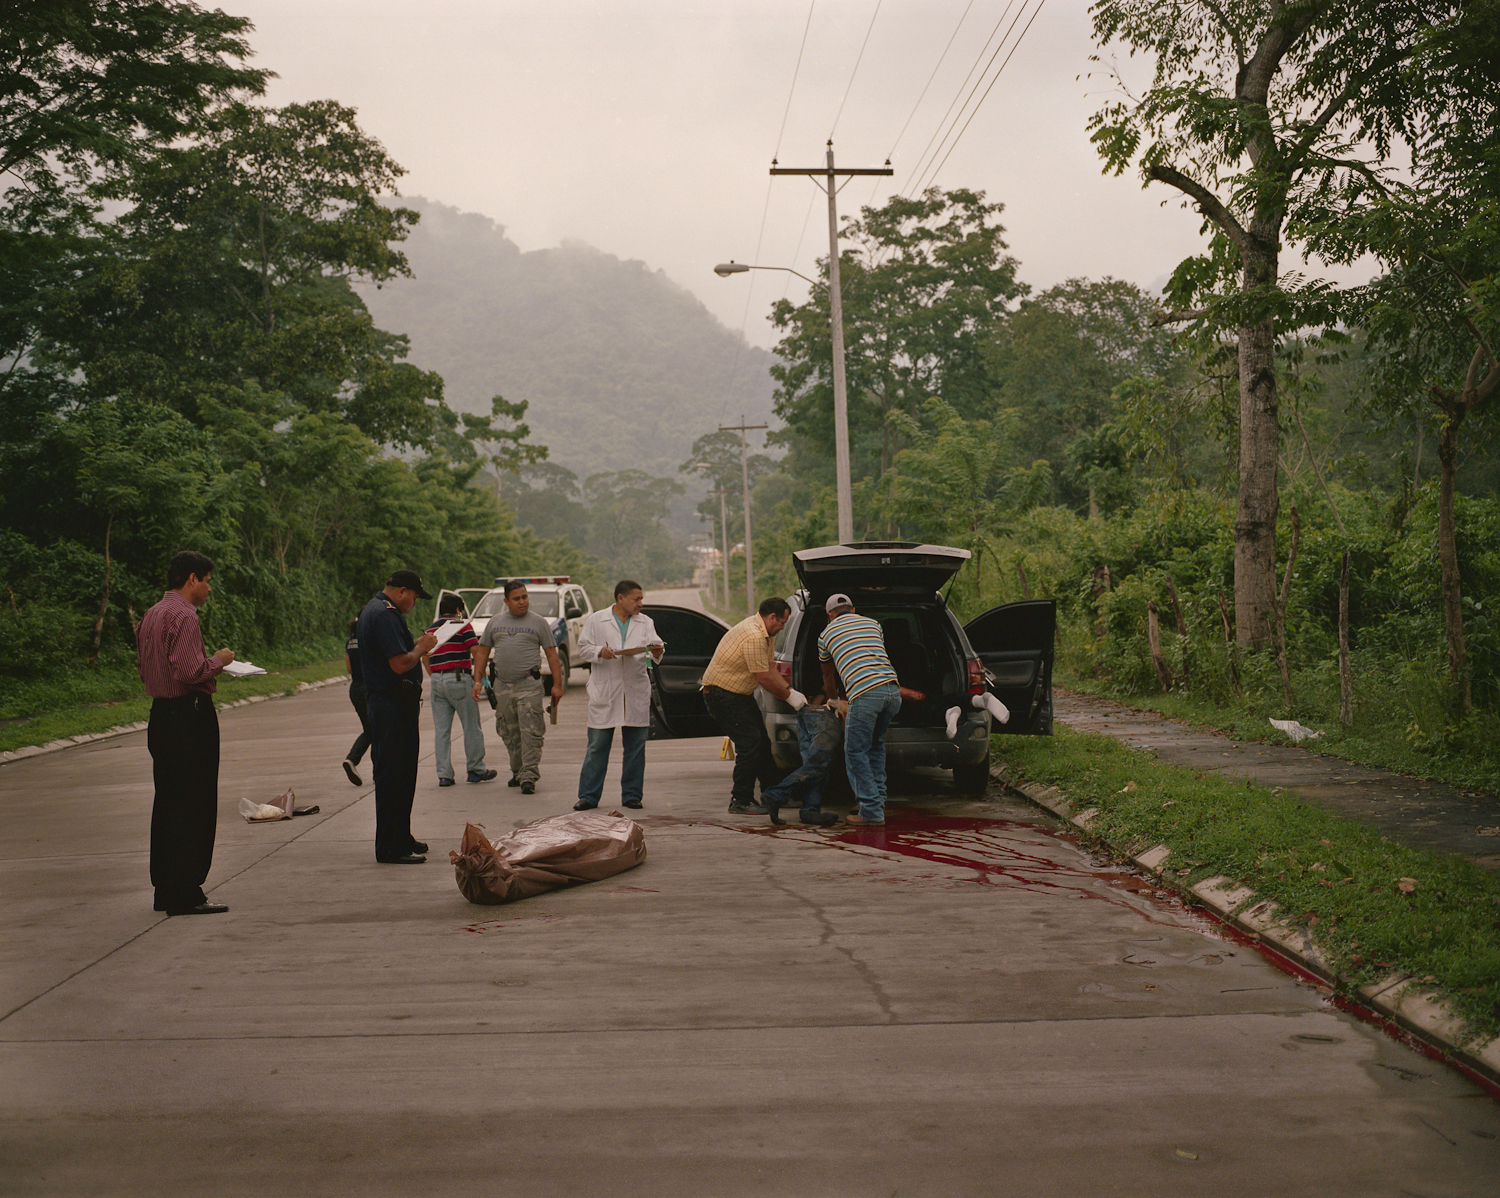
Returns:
(851, 651)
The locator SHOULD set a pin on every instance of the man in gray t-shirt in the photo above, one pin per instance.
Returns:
(516, 637)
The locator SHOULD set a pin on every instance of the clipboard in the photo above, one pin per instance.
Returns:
(448, 631)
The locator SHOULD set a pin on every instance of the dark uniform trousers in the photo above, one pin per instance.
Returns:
(182, 736)
(741, 719)
(395, 744)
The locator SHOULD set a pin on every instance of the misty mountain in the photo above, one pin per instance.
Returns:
(622, 367)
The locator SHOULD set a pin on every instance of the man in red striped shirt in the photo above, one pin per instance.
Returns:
(182, 737)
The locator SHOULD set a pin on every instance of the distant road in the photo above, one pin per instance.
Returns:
(678, 597)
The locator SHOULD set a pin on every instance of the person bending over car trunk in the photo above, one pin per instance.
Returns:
(851, 651)
(742, 662)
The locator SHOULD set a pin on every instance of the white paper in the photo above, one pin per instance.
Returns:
(448, 631)
(242, 669)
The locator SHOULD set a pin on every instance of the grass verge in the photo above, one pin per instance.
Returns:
(1380, 748)
(1373, 906)
(83, 719)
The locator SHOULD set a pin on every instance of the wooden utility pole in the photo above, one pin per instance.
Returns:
(742, 428)
(830, 174)
(723, 544)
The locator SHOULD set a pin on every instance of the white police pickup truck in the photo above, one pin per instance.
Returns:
(563, 603)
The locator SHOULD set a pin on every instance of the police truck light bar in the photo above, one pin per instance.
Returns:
(551, 579)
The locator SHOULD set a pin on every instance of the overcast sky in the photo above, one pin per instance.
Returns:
(646, 127)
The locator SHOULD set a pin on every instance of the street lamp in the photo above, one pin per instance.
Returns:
(725, 269)
(840, 398)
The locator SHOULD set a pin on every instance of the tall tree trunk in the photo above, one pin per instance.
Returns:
(1260, 434)
(1182, 632)
(1278, 611)
(1453, 596)
(1153, 637)
(1346, 678)
(98, 632)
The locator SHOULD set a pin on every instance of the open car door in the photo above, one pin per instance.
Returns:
(1015, 642)
(469, 596)
(677, 706)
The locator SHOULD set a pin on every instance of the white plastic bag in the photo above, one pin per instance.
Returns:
(1295, 731)
(278, 808)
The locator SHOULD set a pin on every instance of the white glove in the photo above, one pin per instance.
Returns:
(797, 699)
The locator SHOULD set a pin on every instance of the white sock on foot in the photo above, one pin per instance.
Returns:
(993, 705)
(952, 716)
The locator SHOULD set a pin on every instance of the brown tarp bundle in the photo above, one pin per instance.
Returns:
(560, 850)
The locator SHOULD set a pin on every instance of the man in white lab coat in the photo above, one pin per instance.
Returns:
(616, 643)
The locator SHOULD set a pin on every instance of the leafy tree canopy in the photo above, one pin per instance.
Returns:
(922, 287)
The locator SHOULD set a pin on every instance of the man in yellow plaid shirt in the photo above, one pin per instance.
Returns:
(743, 661)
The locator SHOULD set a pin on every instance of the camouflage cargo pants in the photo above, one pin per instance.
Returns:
(521, 725)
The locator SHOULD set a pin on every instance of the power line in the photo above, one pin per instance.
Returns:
(932, 171)
(942, 121)
(855, 72)
(1016, 46)
(765, 210)
(941, 58)
(795, 72)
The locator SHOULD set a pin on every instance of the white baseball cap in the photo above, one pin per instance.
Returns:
(837, 601)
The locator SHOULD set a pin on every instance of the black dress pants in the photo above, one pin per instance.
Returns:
(395, 744)
(741, 719)
(182, 736)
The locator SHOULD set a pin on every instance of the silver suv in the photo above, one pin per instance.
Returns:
(1008, 651)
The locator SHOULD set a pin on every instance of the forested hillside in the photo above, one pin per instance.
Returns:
(621, 367)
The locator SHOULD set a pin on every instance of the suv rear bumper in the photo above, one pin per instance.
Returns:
(905, 748)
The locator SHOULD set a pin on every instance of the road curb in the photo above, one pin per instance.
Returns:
(68, 742)
(1400, 997)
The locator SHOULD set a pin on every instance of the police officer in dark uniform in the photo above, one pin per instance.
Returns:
(391, 664)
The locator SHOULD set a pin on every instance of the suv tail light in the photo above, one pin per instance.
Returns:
(976, 676)
(784, 668)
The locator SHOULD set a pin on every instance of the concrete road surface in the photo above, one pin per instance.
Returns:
(962, 1003)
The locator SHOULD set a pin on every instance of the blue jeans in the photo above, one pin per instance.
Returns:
(596, 763)
(864, 746)
(453, 694)
(818, 738)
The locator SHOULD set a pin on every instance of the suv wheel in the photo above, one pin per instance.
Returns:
(567, 669)
(972, 779)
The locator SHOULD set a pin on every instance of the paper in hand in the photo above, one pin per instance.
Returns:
(242, 669)
(448, 631)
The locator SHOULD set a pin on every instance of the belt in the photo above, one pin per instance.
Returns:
(460, 672)
(707, 686)
(188, 700)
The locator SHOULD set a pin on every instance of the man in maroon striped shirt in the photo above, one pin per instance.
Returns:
(182, 737)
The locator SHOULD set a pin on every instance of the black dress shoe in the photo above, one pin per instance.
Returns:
(582, 806)
(773, 809)
(419, 846)
(634, 804)
(409, 859)
(350, 773)
(822, 819)
(200, 909)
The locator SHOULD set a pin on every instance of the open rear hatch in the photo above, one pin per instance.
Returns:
(877, 568)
